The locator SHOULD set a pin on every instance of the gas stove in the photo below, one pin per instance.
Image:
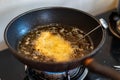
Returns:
(109, 55)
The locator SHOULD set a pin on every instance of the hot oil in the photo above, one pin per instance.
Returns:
(68, 33)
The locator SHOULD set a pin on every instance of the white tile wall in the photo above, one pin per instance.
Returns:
(11, 8)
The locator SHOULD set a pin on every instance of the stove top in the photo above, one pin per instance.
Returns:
(12, 69)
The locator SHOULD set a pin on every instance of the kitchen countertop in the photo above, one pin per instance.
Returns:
(12, 69)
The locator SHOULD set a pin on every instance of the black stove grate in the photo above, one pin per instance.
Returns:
(75, 74)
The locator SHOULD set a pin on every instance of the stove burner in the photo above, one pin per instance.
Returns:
(74, 74)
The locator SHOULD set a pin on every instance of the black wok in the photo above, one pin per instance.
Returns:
(27, 21)
(113, 18)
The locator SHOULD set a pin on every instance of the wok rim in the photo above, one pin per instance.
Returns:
(15, 53)
(113, 32)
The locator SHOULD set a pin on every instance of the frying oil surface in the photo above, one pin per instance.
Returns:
(55, 43)
(53, 46)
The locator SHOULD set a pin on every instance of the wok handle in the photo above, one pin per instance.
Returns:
(94, 66)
